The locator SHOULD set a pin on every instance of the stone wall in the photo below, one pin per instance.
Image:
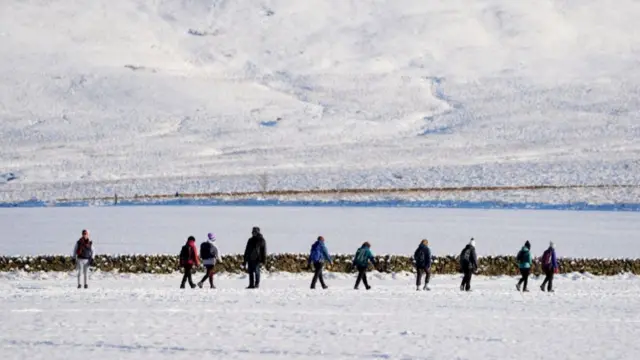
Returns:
(164, 264)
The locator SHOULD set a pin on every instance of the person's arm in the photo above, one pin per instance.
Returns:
(428, 258)
(263, 251)
(325, 253)
(74, 255)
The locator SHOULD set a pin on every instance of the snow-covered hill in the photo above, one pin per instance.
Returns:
(204, 95)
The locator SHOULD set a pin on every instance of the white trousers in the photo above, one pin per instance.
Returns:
(82, 265)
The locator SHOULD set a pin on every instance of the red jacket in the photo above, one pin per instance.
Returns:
(196, 259)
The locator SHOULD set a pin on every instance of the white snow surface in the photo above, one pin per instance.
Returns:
(43, 316)
(163, 230)
(134, 97)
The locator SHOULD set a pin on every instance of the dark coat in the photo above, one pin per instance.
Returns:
(472, 262)
(422, 257)
(256, 250)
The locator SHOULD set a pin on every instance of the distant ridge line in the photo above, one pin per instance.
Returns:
(346, 191)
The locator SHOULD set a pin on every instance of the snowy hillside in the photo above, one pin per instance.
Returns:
(204, 95)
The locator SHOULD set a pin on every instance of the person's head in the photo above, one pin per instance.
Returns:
(366, 244)
(472, 242)
(321, 238)
(191, 238)
(424, 242)
(255, 231)
(527, 245)
(85, 234)
(211, 237)
(552, 245)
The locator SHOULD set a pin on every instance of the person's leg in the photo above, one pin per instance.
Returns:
(252, 272)
(359, 277)
(321, 276)
(419, 272)
(184, 277)
(188, 269)
(364, 278)
(79, 269)
(315, 275)
(257, 275)
(546, 279)
(467, 286)
(427, 277)
(85, 271)
(525, 276)
(211, 272)
(550, 276)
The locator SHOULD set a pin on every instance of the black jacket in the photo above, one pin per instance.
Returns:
(472, 262)
(256, 250)
(422, 257)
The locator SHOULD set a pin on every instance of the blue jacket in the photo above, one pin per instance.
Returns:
(528, 260)
(426, 254)
(319, 253)
(363, 256)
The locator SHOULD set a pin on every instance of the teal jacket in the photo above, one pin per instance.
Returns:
(363, 256)
(526, 264)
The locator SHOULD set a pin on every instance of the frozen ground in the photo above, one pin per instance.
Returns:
(153, 230)
(140, 97)
(43, 316)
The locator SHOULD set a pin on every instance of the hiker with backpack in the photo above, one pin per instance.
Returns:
(468, 264)
(422, 259)
(210, 256)
(318, 255)
(83, 257)
(255, 254)
(188, 259)
(524, 264)
(549, 267)
(361, 262)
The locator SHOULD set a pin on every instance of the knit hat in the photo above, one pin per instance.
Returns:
(527, 245)
(552, 245)
(255, 231)
(191, 238)
(472, 242)
(211, 237)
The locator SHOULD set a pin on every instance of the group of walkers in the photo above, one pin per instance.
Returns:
(255, 256)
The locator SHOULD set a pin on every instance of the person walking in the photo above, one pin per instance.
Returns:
(189, 259)
(210, 256)
(318, 255)
(361, 262)
(468, 264)
(83, 256)
(549, 267)
(422, 259)
(524, 264)
(255, 255)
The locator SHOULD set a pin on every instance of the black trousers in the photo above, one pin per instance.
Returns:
(466, 279)
(525, 278)
(208, 275)
(362, 276)
(187, 276)
(317, 275)
(548, 279)
(419, 273)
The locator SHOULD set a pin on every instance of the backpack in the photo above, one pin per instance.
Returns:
(185, 255)
(206, 250)
(465, 255)
(522, 257)
(362, 257)
(546, 258)
(418, 256)
(84, 250)
(316, 253)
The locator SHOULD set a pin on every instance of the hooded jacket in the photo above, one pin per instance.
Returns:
(256, 250)
(528, 260)
(86, 249)
(319, 253)
(472, 262)
(215, 255)
(424, 253)
(195, 259)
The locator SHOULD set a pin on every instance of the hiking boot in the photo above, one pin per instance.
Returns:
(368, 287)
(181, 286)
(518, 287)
(525, 290)
(86, 286)
(461, 287)
(355, 288)
(325, 287)
(542, 288)
(213, 286)
(79, 286)
(427, 288)
(417, 288)
(193, 286)
(251, 287)
(200, 285)
(551, 290)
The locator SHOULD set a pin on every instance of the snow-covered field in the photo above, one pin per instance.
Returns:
(43, 316)
(140, 97)
(163, 230)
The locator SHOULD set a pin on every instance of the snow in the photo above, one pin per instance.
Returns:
(134, 97)
(43, 316)
(162, 230)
